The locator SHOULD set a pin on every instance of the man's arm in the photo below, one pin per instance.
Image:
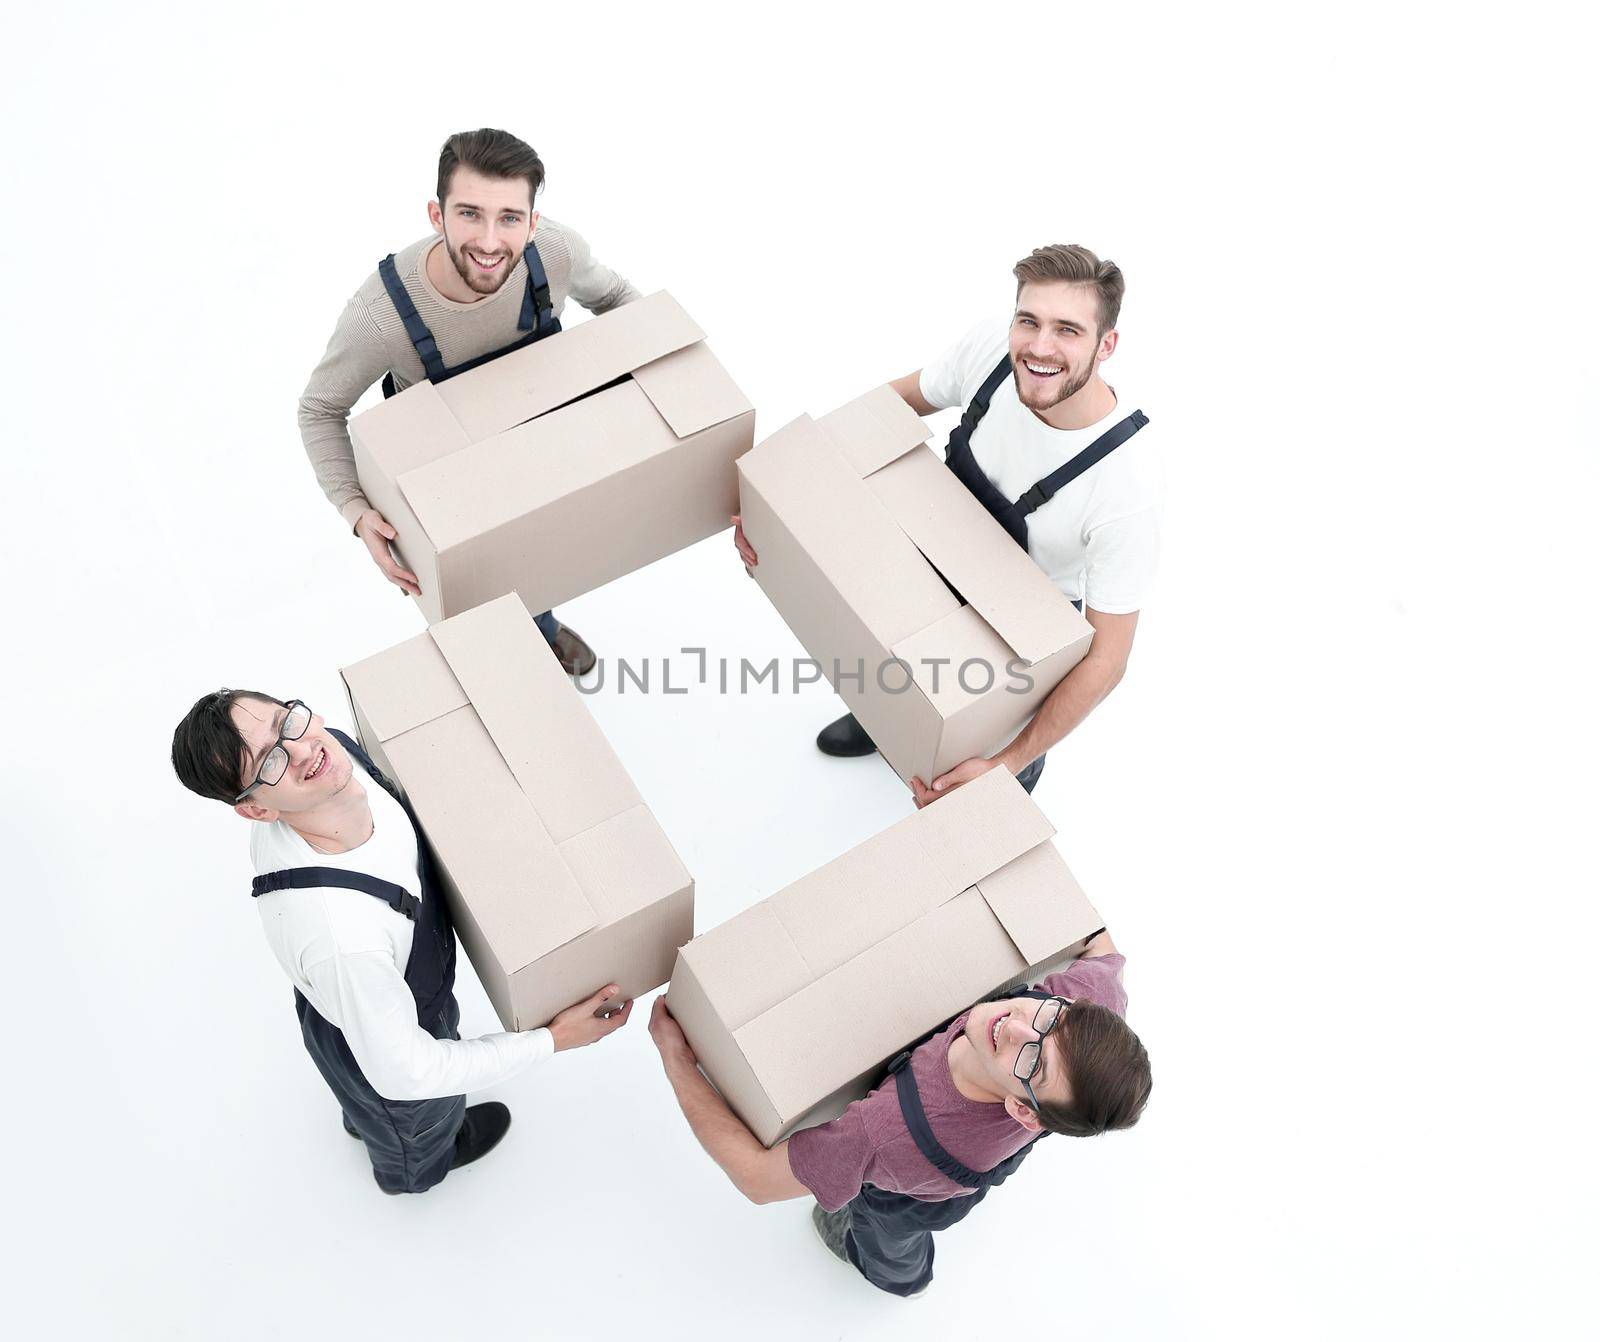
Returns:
(1080, 690)
(910, 389)
(1063, 709)
(761, 1175)
(595, 286)
(378, 1018)
(354, 360)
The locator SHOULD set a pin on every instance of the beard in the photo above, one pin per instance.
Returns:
(1064, 384)
(475, 279)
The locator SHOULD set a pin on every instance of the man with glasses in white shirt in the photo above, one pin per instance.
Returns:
(353, 909)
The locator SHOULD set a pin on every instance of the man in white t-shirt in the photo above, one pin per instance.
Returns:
(352, 908)
(1063, 463)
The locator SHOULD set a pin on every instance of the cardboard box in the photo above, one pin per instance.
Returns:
(872, 550)
(559, 878)
(794, 1006)
(560, 466)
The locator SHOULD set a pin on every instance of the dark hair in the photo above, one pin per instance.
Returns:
(1107, 1070)
(494, 153)
(1070, 263)
(208, 752)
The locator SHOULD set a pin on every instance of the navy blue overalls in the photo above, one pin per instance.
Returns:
(410, 1142)
(891, 1234)
(1013, 515)
(537, 320)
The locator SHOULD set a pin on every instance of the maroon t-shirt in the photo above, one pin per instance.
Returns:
(870, 1144)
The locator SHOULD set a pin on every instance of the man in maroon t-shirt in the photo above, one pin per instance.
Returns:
(1057, 1058)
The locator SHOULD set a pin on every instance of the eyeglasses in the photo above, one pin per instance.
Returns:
(296, 718)
(1052, 1011)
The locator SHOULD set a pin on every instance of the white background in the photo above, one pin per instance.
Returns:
(1332, 814)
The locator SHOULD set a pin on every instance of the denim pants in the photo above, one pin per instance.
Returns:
(549, 626)
(1030, 776)
(410, 1142)
(890, 1240)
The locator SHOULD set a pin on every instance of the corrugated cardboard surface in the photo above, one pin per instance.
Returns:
(559, 874)
(862, 534)
(793, 1005)
(499, 479)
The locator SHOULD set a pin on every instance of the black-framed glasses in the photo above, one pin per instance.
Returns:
(275, 763)
(1052, 1011)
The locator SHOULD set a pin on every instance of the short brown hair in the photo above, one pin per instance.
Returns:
(494, 153)
(1070, 263)
(1107, 1070)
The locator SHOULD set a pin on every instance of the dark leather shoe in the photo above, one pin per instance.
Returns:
(845, 738)
(576, 657)
(480, 1132)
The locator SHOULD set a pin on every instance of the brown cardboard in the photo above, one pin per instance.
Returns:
(543, 473)
(862, 534)
(794, 1005)
(559, 878)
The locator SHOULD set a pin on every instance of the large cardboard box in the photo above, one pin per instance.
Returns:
(560, 880)
(794, 1005)
(873, 551)
(560, 466)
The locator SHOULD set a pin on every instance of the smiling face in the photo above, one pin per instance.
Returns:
(485, 223)
(319, 767)
(997, 1032)
(1056, 342)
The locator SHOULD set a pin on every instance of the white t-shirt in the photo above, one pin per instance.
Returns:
(1098, 539)
(346, 951)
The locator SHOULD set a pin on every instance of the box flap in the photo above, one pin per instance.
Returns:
(937, 654)
(691, 390)
(993, 574)
(747, 964)
(408, 430)
(550, 372)
(501, 480)
(856, 544)
(525, 900)
(1039, 903)
(625, 864)
(872, 430)
(861, 897)
(989, 822)
(850, 1021)
(553, 747)
(404, 687)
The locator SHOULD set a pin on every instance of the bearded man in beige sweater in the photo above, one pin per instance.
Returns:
(494, 276)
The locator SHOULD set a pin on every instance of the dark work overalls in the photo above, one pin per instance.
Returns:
(537, 320)
(410, 1142)
(891, 1234)
(1013, 516)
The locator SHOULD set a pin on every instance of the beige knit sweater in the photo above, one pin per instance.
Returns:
(370, 340)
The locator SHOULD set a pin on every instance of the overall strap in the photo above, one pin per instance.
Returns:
(1097, 451)
(978, 407)
(536, 313)
(416, 329)
(916, 1120)
(311, 878)
(916, 1117)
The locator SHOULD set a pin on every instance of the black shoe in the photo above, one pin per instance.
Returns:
(576, 657)
(347, 1125)
(845, 738)
(480, 1132)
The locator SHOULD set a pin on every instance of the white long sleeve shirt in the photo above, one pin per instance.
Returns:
(346, 951)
